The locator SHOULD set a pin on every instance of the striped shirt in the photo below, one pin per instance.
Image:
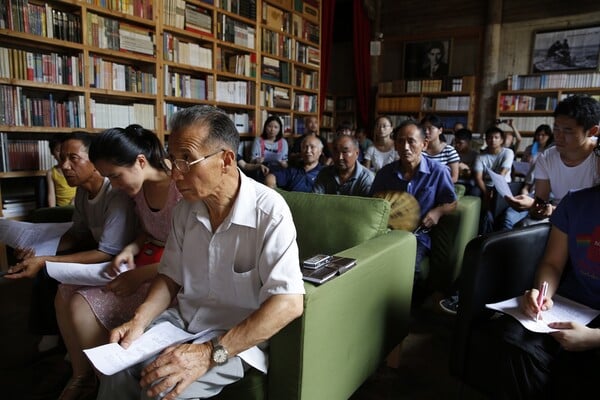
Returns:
(448, 155)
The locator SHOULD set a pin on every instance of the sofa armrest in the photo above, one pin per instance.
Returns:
(349, 324)
(449, 240)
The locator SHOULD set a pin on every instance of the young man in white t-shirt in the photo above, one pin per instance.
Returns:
(570, 164)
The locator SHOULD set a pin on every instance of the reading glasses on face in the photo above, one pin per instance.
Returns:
(184, 166)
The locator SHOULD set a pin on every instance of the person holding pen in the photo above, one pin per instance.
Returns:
(563, 363)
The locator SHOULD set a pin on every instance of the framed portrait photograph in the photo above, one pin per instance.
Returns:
(566, 50)
(427, 59)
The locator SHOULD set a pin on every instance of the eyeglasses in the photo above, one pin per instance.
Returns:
(183, 166)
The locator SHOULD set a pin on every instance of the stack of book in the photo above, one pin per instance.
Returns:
(322, 268)
(198, 19)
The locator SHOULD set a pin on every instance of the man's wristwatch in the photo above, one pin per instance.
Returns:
(219, 355)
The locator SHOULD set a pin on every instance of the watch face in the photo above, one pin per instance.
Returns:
(220, 355)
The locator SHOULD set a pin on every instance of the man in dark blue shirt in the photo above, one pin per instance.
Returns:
(300, 179)
(427, 180)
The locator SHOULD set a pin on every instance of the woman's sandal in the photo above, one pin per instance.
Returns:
(81, 387)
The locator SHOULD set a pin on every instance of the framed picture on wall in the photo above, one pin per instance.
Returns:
(566, 50)
(427, 59)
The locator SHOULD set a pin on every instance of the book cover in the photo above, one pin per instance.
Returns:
(318, 276)
(341, 264)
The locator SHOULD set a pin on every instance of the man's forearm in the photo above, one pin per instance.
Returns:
(273, 315)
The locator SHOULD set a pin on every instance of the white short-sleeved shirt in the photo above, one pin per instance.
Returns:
(494, 162)
(226, 275)
(379, 158)
(563, 178)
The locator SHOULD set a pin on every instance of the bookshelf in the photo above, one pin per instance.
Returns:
(345, 109)
(91, 65)
(452, 98)
(529, 100)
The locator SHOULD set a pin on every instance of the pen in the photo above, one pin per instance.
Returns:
(542, 293)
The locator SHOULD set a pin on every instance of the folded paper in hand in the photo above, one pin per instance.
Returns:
(81, 274)
(112, 358)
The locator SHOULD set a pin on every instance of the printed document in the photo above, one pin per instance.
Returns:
(563, 310)
(112, 358)
(81, 274)
(42, 237)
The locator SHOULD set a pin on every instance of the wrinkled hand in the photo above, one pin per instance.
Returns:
(24, 253)
(520, 202)
(175, 369)
(126, 283)
(27, 268)
(574, 336)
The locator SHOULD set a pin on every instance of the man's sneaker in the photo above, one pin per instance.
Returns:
(450, 304)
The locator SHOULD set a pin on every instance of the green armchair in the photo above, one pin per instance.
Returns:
(350, 323)
(448, 242)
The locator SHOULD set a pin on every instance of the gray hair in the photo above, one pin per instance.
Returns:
(221, 129)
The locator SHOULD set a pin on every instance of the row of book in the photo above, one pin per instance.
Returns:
(450, 103)
(137, 8)
(185, 86)
(24, 155)
(277, 44)
(114, 76)
(234, 31)
(106, 116)
(305, 102)
(62, 69)
(306, 79)
(41, 20)
(243, 122)
(275, 97)
(182, 52)
(183, 15)
(236, 63)
(244, 8)
(392, 104)
(508, 102)
(553, 81)
(275, 70)
(18, 107)
(447, 84)
(236, 92)
(108, 33)
(308, 55)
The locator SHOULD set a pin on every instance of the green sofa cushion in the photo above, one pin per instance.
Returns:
(332, 223)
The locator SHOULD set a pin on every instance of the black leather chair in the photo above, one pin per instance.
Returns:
(495, 267)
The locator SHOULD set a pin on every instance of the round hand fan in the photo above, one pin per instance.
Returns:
(405, 211)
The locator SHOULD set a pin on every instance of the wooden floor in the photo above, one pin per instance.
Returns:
(422, 372)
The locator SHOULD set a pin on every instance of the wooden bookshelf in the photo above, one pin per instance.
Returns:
(453, 99)
(71, 65)
(530, 99)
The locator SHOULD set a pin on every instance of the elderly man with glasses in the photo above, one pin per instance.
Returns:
(231, 262)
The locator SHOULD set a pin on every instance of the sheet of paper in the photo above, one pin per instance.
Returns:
(500, 183)
(42, 237)
(112, 358)
(81, 274)
(563, 310)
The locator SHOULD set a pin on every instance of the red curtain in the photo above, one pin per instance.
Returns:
(327, 13)
(362, 62)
